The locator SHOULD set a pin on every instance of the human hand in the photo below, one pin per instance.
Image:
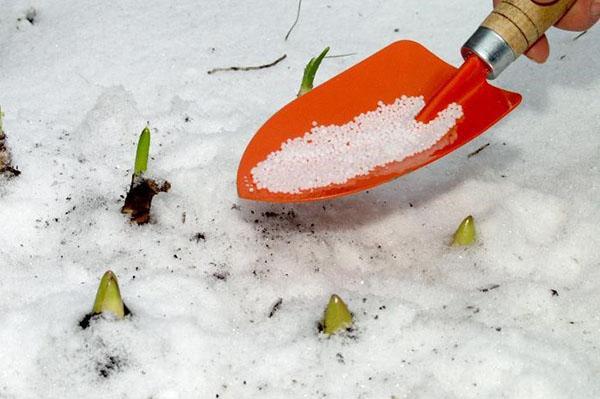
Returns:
(582, 15)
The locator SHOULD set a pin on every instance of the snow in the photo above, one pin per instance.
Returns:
(334, 154)
(78, 86)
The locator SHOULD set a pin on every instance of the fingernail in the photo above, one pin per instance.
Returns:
(595, 8)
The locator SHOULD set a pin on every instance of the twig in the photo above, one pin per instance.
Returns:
(340, 55)
(275, 307)
(295, 21)
(477, 151)
(579, 35)
(489, 288)
(247, 68)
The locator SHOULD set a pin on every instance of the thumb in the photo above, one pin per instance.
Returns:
(539, 51)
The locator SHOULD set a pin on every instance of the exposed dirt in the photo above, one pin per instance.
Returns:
(112, 364)
(139, 198)
(6, 167)
(85, 322)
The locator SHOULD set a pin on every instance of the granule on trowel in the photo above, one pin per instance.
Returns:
(334, 154)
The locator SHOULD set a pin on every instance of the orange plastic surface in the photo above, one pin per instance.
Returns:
(402, 68)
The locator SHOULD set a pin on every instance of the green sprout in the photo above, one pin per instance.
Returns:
(108, 297)
(141, 155)
(310, 71)
(465, 234)
(1, 116)
(337, 316)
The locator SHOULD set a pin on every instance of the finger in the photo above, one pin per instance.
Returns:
(539, 51)
(579, 17)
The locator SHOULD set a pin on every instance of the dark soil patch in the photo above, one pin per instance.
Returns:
(198, 237)
(85, 322)
(6, 167)
(278, 226)
(349, 332)
(109, 366)
(139, 198)
(30, 16)
(223, 276)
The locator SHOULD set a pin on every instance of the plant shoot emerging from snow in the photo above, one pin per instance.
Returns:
(337, 316)
(6, 167)
(141, 155)
(108, 297)
(139, 197)
(310, 71)
(465, 234)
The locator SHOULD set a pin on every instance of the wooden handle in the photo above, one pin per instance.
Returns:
(522, 22)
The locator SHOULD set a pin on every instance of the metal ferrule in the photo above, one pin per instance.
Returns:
(491, 48)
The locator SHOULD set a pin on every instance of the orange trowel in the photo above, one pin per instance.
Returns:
(407, 68)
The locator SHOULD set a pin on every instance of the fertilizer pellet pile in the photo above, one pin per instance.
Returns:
(336, 153)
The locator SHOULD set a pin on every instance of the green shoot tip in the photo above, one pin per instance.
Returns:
(108, 297)
(141, 155)
(337, 316)
(465, 234)
(310, 71)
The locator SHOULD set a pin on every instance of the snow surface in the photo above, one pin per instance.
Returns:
(333, 154)
(432, 321)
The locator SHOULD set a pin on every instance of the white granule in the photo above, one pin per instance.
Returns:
(334, 154)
